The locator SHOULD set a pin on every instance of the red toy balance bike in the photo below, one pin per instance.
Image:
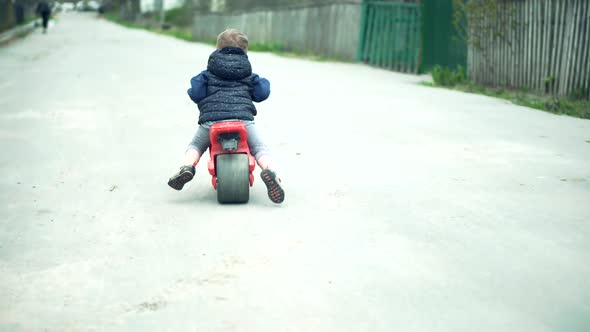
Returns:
(231, 164)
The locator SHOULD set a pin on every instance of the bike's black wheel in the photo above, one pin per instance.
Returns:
(233, 178)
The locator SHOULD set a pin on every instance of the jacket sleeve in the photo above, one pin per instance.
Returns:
(198, 89)
(261, 88)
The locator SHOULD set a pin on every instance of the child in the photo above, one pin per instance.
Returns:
(225, 92)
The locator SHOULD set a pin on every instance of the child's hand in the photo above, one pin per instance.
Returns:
(198, 89)
(261, 89)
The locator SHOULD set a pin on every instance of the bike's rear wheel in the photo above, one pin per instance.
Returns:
(233, 178)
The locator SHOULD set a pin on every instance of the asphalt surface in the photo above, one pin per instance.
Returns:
(407, 208)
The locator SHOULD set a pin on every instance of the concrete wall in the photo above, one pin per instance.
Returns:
(7, 18)
(330, 30)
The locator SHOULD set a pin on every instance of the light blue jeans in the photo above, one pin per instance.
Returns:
(201, 140)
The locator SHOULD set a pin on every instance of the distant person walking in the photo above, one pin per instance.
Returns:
(44, 10)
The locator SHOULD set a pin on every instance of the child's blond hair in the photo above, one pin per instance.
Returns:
(232, 38)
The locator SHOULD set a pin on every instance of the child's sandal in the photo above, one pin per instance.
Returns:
(273, 184)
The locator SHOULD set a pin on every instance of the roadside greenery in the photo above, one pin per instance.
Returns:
(443, 76)
(573, 105)
(30, 19)
(180, 33)
(181, 17)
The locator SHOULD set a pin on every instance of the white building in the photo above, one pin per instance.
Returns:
(154, 5)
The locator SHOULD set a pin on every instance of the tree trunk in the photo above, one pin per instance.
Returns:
(130, 9)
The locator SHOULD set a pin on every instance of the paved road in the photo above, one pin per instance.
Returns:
(408, 208)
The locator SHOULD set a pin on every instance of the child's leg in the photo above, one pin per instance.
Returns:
(258, 149)
(191, 157)
(195, 150)
(265, 162)
(45, 19)
(264, 159)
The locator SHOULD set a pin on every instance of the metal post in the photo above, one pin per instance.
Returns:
(361, 40)
(162, 14)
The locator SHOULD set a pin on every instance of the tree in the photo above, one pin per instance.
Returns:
(477, 20)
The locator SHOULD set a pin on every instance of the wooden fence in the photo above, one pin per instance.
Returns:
(539, 45)
(330, 30)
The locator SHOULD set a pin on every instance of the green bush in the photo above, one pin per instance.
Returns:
(184, 34)
(274, 47)
(578, 94)
(576, 104)
(180, 17)
(443, 76)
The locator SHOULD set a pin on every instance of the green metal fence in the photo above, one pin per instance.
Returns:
(390, 35)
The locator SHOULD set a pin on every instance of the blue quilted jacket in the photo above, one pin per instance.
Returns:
(227, 89)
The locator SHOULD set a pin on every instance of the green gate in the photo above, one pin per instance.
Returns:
(390, 35)
(441, 43)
